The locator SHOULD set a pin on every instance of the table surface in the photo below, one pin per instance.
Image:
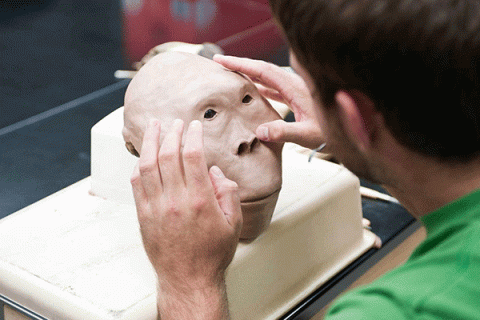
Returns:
(50, 151)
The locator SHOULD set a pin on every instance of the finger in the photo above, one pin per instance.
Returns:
(270, 93)
(257, 70)
(139, 194)
(169, 159)
(195, 165)
(377, 243)
(148, 164)
(226, 192)
(265, 73)
(306, 134)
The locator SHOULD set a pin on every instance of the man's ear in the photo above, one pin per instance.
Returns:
(357, 114)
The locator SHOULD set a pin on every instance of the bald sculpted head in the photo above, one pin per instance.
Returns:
(176, 85)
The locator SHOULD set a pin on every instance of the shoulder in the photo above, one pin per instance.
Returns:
(440, 278)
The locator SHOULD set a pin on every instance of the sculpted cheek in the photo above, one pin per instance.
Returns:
(211, 158)
(266, 113)
(215, 154)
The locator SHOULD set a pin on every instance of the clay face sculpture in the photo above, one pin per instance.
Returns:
(176, 85)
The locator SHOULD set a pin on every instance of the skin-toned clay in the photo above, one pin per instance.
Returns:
(175, 85)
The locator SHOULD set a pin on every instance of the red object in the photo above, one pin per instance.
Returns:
(241, 28)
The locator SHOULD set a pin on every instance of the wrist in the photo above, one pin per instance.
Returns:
(181, 301)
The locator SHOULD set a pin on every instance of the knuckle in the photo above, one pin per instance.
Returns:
(232, 185)
(135, 180)
(192, 154)
(199, 204)
(263, 72)
(146, 167)
(135, 177)
(172, 206)
(166, 156)
(228, 187)
(276, 132)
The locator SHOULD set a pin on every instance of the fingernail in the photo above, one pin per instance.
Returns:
(217, 172)
(262, 133)
(194, 123)
(177, 125)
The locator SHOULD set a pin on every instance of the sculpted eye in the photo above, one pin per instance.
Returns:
(209, 114)
(247, 98)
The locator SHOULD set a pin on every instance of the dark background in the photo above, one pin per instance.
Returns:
(54, 51)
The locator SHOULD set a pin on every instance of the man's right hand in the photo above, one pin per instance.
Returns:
(190, 220)
(289, 88)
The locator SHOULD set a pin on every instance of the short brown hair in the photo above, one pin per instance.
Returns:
(418, 60)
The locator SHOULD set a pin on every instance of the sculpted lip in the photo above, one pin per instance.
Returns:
(254, 200)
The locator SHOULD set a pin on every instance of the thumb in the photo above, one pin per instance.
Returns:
(226, 192)
(273, 131)
(307, 134)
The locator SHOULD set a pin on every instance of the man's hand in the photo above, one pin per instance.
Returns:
(190, 221)
(289, 88)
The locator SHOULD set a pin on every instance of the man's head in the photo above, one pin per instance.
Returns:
(183, 86)
(418, 62)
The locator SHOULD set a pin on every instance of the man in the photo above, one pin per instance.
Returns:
(394, 86)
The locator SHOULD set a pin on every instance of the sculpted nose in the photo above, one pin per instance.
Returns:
(246, 146)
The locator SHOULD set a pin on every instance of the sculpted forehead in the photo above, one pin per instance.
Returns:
(177, 78)
(172, 85)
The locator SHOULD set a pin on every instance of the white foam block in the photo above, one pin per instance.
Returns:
(74, 255)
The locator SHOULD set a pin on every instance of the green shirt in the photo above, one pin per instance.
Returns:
(440, 280)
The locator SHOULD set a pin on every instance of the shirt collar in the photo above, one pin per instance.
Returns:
(461, 210)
